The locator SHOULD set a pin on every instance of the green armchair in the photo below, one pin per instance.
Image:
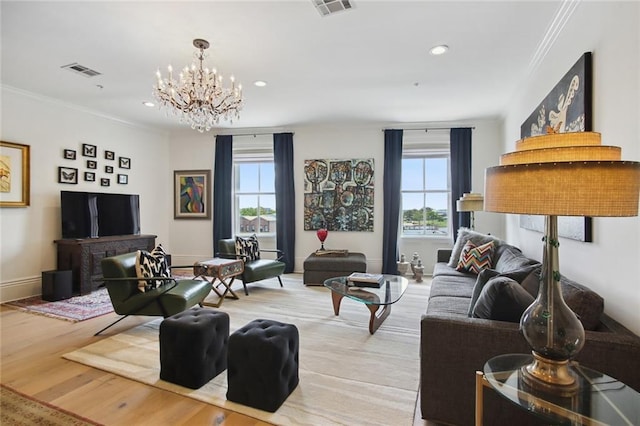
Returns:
(175, 296)
(254, 270)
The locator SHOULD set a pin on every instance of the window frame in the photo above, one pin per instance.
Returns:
(425, 150)
(249, 158)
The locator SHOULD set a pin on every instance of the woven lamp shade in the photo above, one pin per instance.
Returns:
(550, 175)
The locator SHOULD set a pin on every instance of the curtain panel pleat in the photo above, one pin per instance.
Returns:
(222, 181)
(391, 199)
(285, 198)
(460, 146)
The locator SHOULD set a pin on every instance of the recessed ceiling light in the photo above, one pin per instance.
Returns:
(439, 50)
(148, 104)
(259, 83)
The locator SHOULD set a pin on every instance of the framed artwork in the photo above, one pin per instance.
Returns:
(567, 108)
(339, 194)
(15, 174)
(91, 164)
(124, 162)
(67, 175)
(191, 198)
(108, 169)
(105, 182)
(69, 154)
(89, 150)
(89, 176)
(109, 155)
(123, 179)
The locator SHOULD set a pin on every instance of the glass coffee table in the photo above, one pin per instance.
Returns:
(378, 300)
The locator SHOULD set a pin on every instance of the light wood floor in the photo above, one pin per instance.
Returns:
(31, 362)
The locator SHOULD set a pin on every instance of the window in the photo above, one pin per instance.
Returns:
(254, 188)
(425, 187)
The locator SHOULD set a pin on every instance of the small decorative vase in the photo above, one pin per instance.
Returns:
(414, 263)
(322, 235)
(419, 271)
(403, 265)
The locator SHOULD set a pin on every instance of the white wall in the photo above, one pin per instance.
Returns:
(191, 240)
(611, 31)
(27, 244)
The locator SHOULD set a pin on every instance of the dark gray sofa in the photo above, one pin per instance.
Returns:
(454, 345)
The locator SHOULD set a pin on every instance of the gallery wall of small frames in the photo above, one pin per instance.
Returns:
(114, 167)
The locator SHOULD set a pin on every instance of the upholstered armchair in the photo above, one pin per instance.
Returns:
(173, 296)
(255, 269)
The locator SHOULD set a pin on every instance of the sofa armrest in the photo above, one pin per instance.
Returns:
(453, 347)
(443, 255)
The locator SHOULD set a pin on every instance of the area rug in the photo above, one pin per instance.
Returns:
(17, 408)
(347, 376)
(75, 309)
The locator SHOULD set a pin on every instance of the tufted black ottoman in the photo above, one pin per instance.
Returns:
(193, 346)
(263, 364)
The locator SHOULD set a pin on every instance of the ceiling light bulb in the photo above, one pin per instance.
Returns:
(148, 104)
(259, 83)
(439, 50)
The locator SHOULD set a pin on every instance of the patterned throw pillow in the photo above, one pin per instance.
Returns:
(476, 258)
(248, 248)
(152, 264)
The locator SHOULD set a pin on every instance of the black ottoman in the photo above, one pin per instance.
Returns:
(193, 346)
(263, 364)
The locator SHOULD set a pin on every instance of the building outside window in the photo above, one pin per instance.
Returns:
(426, 184)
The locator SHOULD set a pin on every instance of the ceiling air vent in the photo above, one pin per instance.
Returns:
(81, 69)
(328, 7)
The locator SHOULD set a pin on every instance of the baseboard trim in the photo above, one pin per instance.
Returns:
(20, 288)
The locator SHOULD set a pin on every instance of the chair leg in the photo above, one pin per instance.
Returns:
(280, 281)
(113, 323)
(246, 292)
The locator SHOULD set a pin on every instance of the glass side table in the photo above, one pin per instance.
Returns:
(599, 399)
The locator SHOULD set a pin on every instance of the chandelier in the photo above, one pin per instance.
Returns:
(197, 97)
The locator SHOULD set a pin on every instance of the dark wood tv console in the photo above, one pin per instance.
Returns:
(82, 256)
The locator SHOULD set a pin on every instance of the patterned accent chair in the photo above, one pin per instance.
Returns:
(121, 280)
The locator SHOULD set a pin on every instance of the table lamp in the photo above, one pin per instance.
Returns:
(559, 174)
(470, 202)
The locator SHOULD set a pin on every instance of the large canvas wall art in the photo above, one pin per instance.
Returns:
(338, 194)
(567, 108)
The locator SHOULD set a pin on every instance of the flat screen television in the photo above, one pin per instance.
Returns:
(96, 214)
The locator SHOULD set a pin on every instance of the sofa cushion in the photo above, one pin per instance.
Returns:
(510, 258)
(448, 305)
(481, 281)
(152, 264)
(442, 269)
(464, 235)
(502, 299)
(531, 283)
(248, 248)
(584, 302)
(475, 258)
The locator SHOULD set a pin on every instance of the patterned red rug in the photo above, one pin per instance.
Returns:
(75, 309)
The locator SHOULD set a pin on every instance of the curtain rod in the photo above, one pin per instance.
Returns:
(432, 128)
(252, 134)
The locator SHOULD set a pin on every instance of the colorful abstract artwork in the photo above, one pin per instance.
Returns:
(339, 194)
(191, 198)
